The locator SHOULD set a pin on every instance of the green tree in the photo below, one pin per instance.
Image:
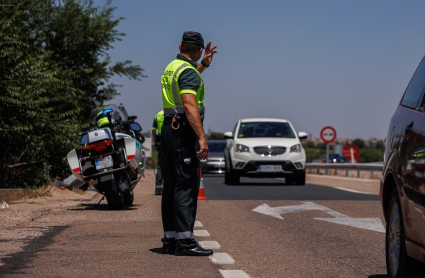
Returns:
(314, 154)
(367, 155)
(79, 34)
(37, 118)
(216, 136)
(359, 142)
(308, 144)
(380, 145)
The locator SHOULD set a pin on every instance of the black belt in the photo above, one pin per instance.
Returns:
(183, 119)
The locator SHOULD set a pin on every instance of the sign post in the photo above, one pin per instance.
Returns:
(328, 135)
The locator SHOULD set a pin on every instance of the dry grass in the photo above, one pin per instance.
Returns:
(31, 192)
(79, 191)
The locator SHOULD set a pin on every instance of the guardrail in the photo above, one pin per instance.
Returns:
(372, 167)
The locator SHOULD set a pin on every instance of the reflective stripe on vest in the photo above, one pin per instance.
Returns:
(176, 96)
(170, 88)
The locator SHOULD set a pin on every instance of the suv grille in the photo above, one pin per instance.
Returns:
(269, 150)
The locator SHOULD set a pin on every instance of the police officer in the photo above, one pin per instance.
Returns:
(102, 119)
(183, 144)
(157, 125)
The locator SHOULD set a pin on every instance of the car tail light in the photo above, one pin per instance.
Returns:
(99, 146)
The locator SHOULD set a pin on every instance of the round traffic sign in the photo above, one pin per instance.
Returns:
(328, 134)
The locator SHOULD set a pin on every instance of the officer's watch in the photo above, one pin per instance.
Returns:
(205, 65)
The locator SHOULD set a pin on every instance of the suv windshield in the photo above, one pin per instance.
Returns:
(265, 129)
(216, 147)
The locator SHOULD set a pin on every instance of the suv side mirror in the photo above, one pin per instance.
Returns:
(302, 135)
(228, 135)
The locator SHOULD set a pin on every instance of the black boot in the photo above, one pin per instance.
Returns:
(197, 251)
(168, 246)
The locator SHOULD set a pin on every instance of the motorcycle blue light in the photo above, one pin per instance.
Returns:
(108, 111)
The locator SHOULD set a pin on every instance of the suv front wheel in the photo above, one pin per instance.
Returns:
(230, 177)
(300, 180)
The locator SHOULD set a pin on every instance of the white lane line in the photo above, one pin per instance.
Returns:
(343, 178)
(222, 258)
(354, 191)
(201, 233)
(234, 274)
(198, 224)
(209, 244)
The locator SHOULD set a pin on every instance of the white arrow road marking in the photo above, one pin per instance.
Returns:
(373, 224)
(305, 206)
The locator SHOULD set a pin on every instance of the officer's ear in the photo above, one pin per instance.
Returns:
(180, 47)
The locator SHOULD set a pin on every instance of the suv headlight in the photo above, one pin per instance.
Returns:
(241, 148)
(296, 148)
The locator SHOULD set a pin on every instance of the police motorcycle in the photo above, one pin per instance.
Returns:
(111, 158)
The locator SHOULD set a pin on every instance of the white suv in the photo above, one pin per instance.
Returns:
(262, 147)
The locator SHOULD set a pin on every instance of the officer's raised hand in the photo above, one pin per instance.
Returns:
(209, 53)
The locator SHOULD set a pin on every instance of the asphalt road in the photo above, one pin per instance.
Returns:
(275, 189)
(262, 227)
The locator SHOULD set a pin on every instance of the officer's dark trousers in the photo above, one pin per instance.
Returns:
(181, 185)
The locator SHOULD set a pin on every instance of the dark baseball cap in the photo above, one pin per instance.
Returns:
(193, 38)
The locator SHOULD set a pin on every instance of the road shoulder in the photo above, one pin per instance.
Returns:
(362, 185)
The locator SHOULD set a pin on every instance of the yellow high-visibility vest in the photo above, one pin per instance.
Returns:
(171, 93)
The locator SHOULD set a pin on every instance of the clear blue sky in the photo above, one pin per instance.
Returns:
(315, 63)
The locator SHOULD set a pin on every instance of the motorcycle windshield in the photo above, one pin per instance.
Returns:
(117, 113)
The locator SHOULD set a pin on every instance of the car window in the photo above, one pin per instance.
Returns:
(216, 147)
(416, 86)
(265, 129)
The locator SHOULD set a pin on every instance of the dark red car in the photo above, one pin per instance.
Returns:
(403, 183)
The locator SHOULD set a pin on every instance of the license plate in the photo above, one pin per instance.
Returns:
(104, 163)
(270, 168)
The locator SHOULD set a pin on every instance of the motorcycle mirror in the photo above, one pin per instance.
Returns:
(132, 118)
(136, 127)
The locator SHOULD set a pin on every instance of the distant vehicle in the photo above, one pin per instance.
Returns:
(403, 182)
(214, 164)
(262, 147)
(336, 158)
